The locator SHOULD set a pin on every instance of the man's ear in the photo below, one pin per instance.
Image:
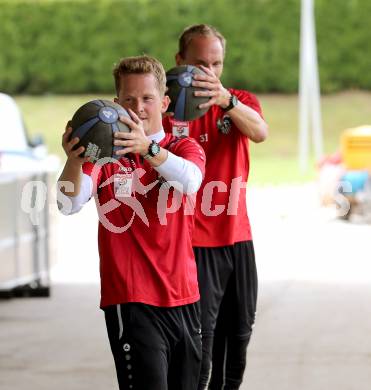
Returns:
(165, 103)
(179, 60)
(116, 100)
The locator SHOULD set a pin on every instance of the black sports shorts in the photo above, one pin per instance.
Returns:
(228, 286)
(155, 348)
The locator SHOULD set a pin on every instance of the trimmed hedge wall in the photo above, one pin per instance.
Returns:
(50, 46)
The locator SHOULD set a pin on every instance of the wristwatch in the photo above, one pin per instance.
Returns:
(153, 150)
(233, 101)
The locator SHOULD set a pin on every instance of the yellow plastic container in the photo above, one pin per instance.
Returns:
(356, 147)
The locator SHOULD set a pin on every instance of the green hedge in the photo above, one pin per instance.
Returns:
(70, 46)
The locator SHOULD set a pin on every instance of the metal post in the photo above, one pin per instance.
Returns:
(309, 90)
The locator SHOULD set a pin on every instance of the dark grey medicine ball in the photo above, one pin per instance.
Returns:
(95, 124)
(184, 104)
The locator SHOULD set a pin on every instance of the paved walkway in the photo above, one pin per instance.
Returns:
(313, 322)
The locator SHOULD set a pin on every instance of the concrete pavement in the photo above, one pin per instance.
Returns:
(314, 309)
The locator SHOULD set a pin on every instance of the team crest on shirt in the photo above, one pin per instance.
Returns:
(180, 129)
(224, 125)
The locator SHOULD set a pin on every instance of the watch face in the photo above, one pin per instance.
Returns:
(234, 101)
(154, 149)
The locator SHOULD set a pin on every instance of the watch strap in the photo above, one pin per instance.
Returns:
(233, 100)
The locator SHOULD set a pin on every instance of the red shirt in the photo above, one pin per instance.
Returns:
(151, 264)
(227, 162)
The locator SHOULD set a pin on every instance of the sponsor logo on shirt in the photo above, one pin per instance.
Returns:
(180, 128)
(123, 184)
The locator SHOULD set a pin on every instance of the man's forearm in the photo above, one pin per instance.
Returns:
(249, 122)
(184, 175)
(71, 173)
(158, 159)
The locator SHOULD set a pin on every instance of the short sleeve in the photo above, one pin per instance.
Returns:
(95, 173)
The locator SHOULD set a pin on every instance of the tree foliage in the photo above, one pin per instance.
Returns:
(60, 46)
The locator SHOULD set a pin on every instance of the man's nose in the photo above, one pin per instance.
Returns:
(138, 106)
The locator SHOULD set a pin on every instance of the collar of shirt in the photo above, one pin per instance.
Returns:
(157, 137)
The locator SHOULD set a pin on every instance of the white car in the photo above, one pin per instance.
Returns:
(26, 175)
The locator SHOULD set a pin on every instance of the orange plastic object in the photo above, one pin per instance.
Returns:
(356, 147)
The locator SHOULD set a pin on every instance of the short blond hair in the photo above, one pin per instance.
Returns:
(140, 65)
(199, 29)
